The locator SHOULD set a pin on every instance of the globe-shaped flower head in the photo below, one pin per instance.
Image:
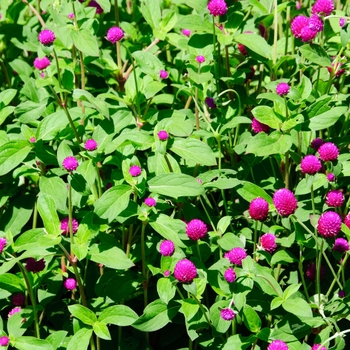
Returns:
(259, 209)
(163, 135)
(298, 23)
(64, 227)
(70, 283)
(329, 224)
(15, 310)
(341, 245)
(236, 255)
(210, 102)
(2, 244)
(307, 34)
(328, 151)
(330, 177)
(200, 59)
(4, 340)
(217, 7)
(97, 6)
(342, 22)
(278, 345)
(318, 347)
(18, 299)
(268, 242)
(46, 37)
(285, 202)
(347, 220)
(70, 163)
(163, 74)
(227, 314)
(316, 143)
(90, 145)
(323, 7)
(135, 170)
(230, 275)
(150, 202)
(316, 23)
(41, 63)
(196, 229)
(186, 32)
(114, 34)
(334, 198)
(185, 271)
(167, 248)
(311, 272)
(35, 266)
(310, 164)
(282, 89)
(259, 127)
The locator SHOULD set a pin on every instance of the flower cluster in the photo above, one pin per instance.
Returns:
(64, 227)
(236, 255)
(196, 229)
(185, 271)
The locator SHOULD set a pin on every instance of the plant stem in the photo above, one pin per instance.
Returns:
(255, 237)
(36, 13)
(301, 271)
(35, 214)
(275, 32)
(318, 271)
(202, 309)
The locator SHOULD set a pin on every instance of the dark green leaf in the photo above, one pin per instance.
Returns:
(316, 54)
(12, 153)
(80, 340)
(48, 213)
(86, 42)
(119, 315)
(251, 319)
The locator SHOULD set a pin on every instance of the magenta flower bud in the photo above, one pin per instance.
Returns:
(259, 209)
(163, 135)
(167, 248)
(46, 37)
(210, 102)
(196, 229)
(236, 255)
(330, 177)
(328, 151)
(166, 273)
(347, 220)
(185, 271)
(318, 347)
(285, 202)
(316, 143)
(310, 164)
(307, 34)
(341, 245)
(150, 202)
(278, 345)
(298, 23)
(268, 242)
(32, 139)
(14, 311)
(230, 275)
(2, 244)
(341, 294)
(282, 89)
(334, 198)
(70, 163)
(217, 7)
(65, 225)
(41, 63)
(93, 3)
(200, 59)
(71, 15)
(90, 145)
(4, 341)
(342, 22)
(323, 7)
(18, 299)
(135, 170)
(316, 23)
(329, 224)
(163, 74)
(227, 314)
(35, 266)
(114, 34)
(241, 48)
(298, 5)
(259, 127)
(70, 283)
(186, 32)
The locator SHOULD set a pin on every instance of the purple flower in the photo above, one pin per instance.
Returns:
(282, 89)
(236, 255)
(90, 145)
(210, 102)
(241, 48)
(32, 139)
(4, 341)
(230, 275)
(2, 244)
(200, 59)
(135, 170)
(334, 198)
(318, 347)
(307, 34)
(347, 220)
(196, 229)
(71, 15)
(268, 242)
(341, 245)
(163, 74)
(150, 202)
(259, 127)
(323, 7)
(285, 202)
(341, 294)
(70, 283)
(14, 311)
(316, 23)
(65, 225)
(342, 22)
(310, 164)
(41, 63)
(328, 151)
(186, 32)
(70, 163)
(316, 143)
(330, 177)
(46, 37)
(259, 209)
(217, 7)
(94, 3)
(185, 271)
(227, 314)
(329, 224)
(167, 248)
(298, 23)
(163, 135)
(298, 5)
(166, 273)
(35, 266)
(114, 34)
(278, 345)
(18, 299)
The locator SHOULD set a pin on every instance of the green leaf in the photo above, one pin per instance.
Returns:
(276, 302)
(218, 322)
(96, 102)
(11, 283)
(48, 213)
(237, 341)
(229, 241)
(194, 150)
(166, 290)
(80, 340)
(5, 112)
(235, 122)
(119, 315)
(251, 319)
(290, 290)
(175, 185)
(297, 306)
(316, 54)
(26, 343)
(195, 23)
(83, 314)
(189, 308)
(317, 181)
(151, 11)
(57, 189)
(105, 4)
(101, 330)
(51, 125)
(7, 96)
(113, 202)
(250, 191)
(86, 42)
(156, 315)
(266, 115)
(28, 111)
(57, 338)
(325, 120)
(283, 256)
(12, 154)
(148, 63)
(224, 223)
(255, 43)
(305, 87)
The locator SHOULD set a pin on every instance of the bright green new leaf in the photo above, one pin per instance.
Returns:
(12, 154)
